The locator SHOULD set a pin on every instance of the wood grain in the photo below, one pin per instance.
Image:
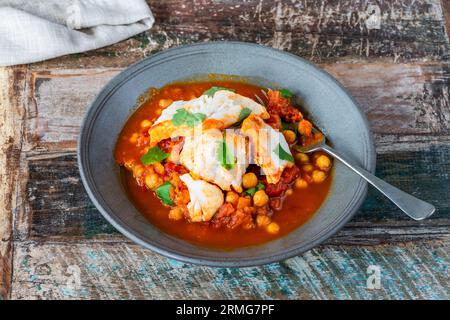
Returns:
(397, 98)
(11, 114)
(60, 208)
(126, 271)
(446, 10)
(321, 31)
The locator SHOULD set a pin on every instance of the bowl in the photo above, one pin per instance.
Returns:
(325, 101)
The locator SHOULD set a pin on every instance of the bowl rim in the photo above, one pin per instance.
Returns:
(112, 85)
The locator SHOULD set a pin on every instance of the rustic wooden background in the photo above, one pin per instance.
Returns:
(55, 244)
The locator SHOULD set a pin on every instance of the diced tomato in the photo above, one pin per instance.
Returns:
(171, 167)
(166, 145)
(287, 177)
(290, 174)
(282, 107)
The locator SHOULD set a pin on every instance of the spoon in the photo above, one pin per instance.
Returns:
(412, 206)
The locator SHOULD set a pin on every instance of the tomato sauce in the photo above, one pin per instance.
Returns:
(297, 208)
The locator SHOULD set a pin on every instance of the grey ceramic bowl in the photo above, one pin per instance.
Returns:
(327, 103)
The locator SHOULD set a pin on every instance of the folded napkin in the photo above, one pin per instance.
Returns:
(35, 30)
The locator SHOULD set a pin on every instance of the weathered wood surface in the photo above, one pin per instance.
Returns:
(399, 72)
(119, 270)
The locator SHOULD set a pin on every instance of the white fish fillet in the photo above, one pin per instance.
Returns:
(221, 110)
(264, 140)
(200, 155)
(206, 198)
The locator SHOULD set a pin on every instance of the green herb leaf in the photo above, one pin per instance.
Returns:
(225, 156)
(285, 93)
(183, 116)
(242, 116)
(282, 154)
(260, 186)
(153, 155)
(163, 193)
(252, 191)
(211, 91)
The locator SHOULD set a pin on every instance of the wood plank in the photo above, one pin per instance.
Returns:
(322, 31)
(55, 215)
(414, 140)
(446, 9)
(400, 98)
(124, 271)
(397, 98)
(58, 101)
(11, 115)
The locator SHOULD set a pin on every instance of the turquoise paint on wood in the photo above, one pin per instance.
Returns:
(413, 271)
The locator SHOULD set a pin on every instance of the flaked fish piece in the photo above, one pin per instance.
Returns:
(216, 157)
(268, 147)
(205, 198)
(220, 111)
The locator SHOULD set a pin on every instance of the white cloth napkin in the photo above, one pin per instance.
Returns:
(35, 30)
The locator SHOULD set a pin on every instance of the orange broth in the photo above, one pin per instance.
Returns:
(296, 210)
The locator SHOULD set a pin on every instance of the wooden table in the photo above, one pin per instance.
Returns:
(392, 55)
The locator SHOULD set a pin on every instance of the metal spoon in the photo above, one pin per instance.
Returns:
(412, 206)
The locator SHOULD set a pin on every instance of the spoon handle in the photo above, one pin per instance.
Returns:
(413, 207)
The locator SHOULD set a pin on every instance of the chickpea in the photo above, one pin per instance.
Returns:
(146, 124)
(159, 168)
(176, 214)
(301, 157)
(273, 228)
(164, 103)
(232, 197)
(300, 183)
(308, 168)
(260, 198)
(289, 192)
(138, 171)
(134, 137)
(243, 202)
(262, 220)
(151, 181)
(318, 176)
(289, 135)
(323, 162)
(249, 180)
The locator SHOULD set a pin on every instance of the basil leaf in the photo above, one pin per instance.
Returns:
(242, 116)
(211, 91)
(282, 154)
(285, 93)
(153, 155)
(163, 193)
(225, 156)
(252, 191)
(183, 116)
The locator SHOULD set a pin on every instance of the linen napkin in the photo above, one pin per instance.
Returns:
(35, 30)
